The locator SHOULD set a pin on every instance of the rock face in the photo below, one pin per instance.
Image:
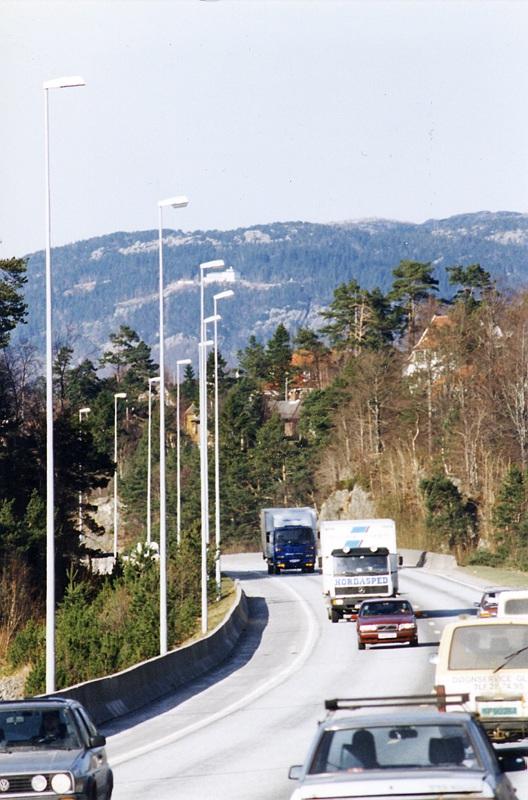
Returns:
(12, 687)
(345, 504)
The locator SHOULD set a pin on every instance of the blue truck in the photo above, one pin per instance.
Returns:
(289, 538)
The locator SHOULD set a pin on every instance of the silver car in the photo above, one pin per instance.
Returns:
(399, 747)
(50, 748)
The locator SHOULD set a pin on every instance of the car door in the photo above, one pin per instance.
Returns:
(98, 767)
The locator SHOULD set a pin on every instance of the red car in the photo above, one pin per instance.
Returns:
(390, 621)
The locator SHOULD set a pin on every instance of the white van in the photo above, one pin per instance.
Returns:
(488, 660)
(512, 603)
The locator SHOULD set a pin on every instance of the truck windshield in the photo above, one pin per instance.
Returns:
(294, 536)
(489, 647)
(357, 565)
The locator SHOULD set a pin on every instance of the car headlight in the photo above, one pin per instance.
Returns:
(368, 627)
(39, 783)
(406, 626)
(61, 782)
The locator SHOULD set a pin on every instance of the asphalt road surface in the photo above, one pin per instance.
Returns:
(233, 734)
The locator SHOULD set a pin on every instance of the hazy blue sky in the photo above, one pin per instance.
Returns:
(260, 110)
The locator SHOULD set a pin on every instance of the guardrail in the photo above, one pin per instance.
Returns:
(118, 694)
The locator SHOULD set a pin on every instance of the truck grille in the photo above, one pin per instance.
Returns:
(361, 590)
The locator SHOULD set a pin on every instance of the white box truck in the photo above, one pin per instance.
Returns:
(289, 538)
(359, 561)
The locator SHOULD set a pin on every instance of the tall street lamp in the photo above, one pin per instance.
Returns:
(204, 481)
(149, 458)
(82, 412)
(180, 363)
(173, 202)
(56, 83)
(204, 486)
(117, 396)
(218, 571)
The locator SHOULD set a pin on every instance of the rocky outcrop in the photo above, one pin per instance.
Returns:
(348, 504)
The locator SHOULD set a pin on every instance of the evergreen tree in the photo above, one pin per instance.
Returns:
(510, 514)
(279, 357)
(413, 283)
(12, 306)
(451, 521)
(189, 386)
(253, 360)
(475, 283)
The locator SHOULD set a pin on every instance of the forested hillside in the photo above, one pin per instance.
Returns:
(421, 402)
(286, 272)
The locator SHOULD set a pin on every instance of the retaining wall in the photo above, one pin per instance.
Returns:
(118, 694)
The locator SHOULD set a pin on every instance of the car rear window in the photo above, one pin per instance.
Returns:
(485, 646)
(394, 747)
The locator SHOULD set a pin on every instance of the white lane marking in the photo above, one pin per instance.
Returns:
(296, 664)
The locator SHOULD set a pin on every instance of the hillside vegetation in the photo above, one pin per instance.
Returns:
(421, 402)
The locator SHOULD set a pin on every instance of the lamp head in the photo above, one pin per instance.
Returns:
(223, 295)
(64, 83)
(212, 318)
(218, 264)
(174, 202)
(183, 361)
(153, 380)
(120, 395)
(85, 410)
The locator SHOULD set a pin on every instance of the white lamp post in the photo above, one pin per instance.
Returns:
(149, 458)
(117, 396)
(57, 83)
(180, 363)
(173, 202)
(204, 481)
(218, 571)
(82, 412)
(204, 486)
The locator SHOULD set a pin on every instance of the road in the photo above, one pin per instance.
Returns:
(233, 734)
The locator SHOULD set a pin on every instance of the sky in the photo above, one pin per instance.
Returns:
(259, 111)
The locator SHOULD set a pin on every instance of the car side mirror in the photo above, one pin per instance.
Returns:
(295, 772)
(509, 762)
(98, 740)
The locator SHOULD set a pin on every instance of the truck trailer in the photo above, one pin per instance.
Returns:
(359, 561)
(289, 538)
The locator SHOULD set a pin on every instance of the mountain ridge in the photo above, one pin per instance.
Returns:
(285, 272)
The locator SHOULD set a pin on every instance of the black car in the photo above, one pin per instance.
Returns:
(50, 747)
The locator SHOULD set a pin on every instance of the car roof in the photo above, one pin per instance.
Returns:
(496, 589)
(39, 702)
(374, 717)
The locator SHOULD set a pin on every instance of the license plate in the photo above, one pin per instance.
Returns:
(499, 710)
(294, 560)
(386, 635)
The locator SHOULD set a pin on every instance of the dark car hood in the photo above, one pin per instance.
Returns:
(38, 760)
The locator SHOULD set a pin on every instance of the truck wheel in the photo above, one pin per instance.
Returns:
(335, 615)
(361, 645)
(277, 570)
(270, 569)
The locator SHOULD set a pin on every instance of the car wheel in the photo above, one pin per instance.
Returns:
(414, 642)
(109, 789)
(361, 645)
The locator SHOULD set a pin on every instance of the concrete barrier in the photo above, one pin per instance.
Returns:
(115, 695)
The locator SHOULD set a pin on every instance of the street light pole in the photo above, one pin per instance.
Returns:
(180, 363)
(82, 412)
(57, 83)
(117, 396)
(149, 458)
(204, 481)
(172, 202)
(218, 570)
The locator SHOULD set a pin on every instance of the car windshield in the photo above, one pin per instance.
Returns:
(357, 565)
(294, 536)
(394, 747)
(485, 646)
(34, 729)
(384, 608)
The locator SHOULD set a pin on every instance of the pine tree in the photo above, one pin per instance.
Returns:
(413, 283)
